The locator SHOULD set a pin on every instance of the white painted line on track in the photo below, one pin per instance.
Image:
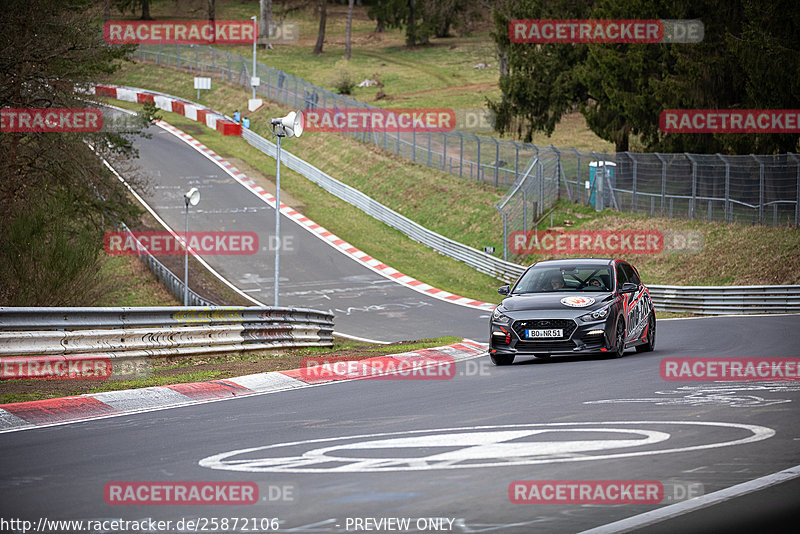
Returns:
(674, 510)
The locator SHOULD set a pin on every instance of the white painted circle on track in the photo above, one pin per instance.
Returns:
(475, 447)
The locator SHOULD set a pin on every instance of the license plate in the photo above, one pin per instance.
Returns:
(553, 332)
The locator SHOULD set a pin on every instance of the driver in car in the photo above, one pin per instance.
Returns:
(555, 283)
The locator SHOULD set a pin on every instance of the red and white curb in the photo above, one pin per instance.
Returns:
(36, 414)
(167, 103)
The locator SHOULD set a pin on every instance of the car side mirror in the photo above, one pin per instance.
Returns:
(504, 290)
(628, 287)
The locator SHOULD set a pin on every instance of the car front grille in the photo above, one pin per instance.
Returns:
(544, 346)
(568, 325)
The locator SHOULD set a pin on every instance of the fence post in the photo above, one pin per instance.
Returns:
(480, 171)
(599, 201)
(760, 189)
(461, 159)
(663, 182)
(694, 185)
(178, 53)
(634, 202)
(429, 148)
(516, 161)
(444, 152)
(505, 236)
(413, 142)
(797, 198)
(728, 207)
(496, 162)
(578, 172)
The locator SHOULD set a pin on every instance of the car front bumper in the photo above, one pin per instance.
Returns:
(586, 338)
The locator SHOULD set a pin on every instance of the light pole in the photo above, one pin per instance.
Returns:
(255, 38)
(289, 126)
(192, 196)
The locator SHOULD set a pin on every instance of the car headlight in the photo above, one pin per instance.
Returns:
(498, 317)
(596, 315)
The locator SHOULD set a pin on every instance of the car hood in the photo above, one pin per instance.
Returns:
(552, 301)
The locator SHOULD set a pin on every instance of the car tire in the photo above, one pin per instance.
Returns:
(502, 359)
(650, 344)
(619, 340)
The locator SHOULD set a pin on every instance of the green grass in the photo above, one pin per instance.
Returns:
(439, 75)
(349, 223)
(421, 344)
(732, 254)
(134, 284)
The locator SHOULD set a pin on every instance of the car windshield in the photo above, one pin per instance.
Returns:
(566, 278)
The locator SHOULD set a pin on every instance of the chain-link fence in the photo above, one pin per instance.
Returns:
(473, 157)
(750, 189)
(746, 189)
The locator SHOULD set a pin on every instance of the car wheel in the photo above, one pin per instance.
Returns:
(502, 359)
(650, 344)
(619, 339)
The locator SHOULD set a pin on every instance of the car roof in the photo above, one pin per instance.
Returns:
(573, 261)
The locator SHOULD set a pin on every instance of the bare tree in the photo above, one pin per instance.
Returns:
(323, 19)
(265, 25)
(349, 29)
(212, 10)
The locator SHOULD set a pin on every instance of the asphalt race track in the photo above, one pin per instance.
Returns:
(439, 453)
(586, 412)
(312, 273)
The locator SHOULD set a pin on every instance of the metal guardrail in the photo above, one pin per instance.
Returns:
(730, 300)
(475, 258)
(158, 331)
(168, 279)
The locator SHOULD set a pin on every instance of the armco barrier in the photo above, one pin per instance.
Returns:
(476, 259)
(704, 300)
(730, 300)
(159, 331)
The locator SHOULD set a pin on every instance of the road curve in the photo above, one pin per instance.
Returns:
(313, 274)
